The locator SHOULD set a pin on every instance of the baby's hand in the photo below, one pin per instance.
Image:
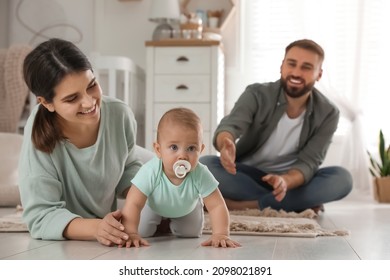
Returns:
(221, 240)
(135, 240)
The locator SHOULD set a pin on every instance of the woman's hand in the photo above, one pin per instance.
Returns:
(220, 240)
(110, 231)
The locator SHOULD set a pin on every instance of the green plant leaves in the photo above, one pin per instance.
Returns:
(381, 169)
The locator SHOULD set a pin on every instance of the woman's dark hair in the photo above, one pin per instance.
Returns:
(44, 68)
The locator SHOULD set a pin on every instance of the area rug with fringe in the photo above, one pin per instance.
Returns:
(13, 222)
(276, 223)
(247, 222)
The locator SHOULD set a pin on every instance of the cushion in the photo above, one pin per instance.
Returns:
(13, 89)
(10, 145)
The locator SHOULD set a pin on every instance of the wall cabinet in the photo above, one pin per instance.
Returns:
(183, 75)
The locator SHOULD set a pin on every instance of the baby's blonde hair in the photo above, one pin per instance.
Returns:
(182, 116)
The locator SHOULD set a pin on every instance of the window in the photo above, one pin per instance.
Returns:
(354, 35)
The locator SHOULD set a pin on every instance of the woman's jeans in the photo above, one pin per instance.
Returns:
(328, 184)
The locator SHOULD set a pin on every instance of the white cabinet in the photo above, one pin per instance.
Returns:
(189, 76)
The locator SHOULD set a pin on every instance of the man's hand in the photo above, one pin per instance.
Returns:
(228, 155)
(278, 183)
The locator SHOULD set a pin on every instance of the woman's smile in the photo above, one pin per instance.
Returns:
(90, 111)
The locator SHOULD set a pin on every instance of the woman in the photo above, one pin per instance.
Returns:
(78, 153)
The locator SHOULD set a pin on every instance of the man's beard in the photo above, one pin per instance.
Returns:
(294, 92)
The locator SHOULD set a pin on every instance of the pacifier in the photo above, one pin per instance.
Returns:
(181, 168)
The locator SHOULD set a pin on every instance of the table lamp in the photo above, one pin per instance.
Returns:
(165, 13)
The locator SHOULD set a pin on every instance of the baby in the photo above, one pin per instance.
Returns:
(175, 185)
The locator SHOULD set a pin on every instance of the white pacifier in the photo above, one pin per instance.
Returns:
(181, 168)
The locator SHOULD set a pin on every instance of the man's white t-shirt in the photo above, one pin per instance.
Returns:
(280, 151)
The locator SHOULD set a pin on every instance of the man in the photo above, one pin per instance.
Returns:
(275, 138)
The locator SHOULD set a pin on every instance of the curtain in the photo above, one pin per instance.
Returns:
(354, 35)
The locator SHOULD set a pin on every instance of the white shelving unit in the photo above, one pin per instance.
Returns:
(184, 73)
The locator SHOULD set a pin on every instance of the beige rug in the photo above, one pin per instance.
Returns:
(13, 222)
(250, 222)
(276, 223)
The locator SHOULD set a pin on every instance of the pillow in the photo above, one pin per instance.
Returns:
(13, 89)
(10, 145)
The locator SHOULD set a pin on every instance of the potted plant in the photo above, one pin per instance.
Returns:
(380, 170)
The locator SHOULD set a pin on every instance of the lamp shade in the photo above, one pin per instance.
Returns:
(164, 10)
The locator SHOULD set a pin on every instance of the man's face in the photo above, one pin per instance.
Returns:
(300, 70)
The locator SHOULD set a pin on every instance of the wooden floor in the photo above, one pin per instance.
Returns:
(367, 220)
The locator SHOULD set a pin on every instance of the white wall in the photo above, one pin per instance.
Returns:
(3, 23)
(32, 22)
(122, 28)
(110, 27)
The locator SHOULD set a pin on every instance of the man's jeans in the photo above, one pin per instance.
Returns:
(328, 184)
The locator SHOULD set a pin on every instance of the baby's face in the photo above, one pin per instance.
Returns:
(177, 142)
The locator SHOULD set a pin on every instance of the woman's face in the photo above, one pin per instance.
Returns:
(77, 99)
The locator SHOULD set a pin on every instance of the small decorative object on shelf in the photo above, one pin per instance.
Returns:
(202, 15)
(192, 27)
(215, 15)
(166, 14)
(214, 18)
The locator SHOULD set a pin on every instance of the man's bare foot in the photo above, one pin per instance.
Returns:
(241, 205)
(318, 209)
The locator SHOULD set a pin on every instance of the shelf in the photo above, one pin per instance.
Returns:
(182, 42)
(228, 7)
